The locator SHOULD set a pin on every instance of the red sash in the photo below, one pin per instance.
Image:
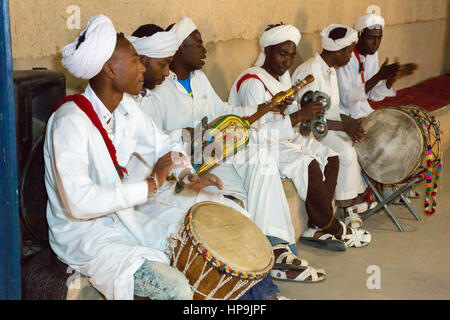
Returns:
(85, 105)
(250, 76)
(361, 65)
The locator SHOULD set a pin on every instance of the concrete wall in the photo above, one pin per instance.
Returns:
(416, 30)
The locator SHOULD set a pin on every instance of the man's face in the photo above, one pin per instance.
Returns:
(370, 40)
(127, 67)
(343, 56)
(156, 70)
(193, 51)
(281, 56)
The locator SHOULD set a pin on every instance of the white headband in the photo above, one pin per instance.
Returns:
(98, 46)
(336, 45)
(275, 36)
(159, 45)
(369, 20)
(184, 28)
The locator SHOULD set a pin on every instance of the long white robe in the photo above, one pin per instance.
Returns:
(93, 226)
(251, 175)
(295, 151)
(350, 182)
(353, 96)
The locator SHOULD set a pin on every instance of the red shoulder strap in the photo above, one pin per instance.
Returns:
(361, 65)
(85, 105)
(250, 76)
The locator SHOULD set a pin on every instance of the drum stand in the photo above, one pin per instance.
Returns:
(383, 202)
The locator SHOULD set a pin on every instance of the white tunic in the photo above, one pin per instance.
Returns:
(251, 175)
(350, 182)
(354, 100)
(93, 226)
(296, 151)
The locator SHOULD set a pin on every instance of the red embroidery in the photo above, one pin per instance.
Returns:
(361, 65)
(85, 105)
(250, 76)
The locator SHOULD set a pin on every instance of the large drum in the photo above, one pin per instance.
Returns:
(221, 252)
(395, 147)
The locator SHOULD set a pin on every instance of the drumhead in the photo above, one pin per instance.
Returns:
(394, 145)
(231, 238)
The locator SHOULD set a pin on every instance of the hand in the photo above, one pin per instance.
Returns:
(406, 70)
(282, 106)
(195, 182)
(311, 111)
(388, 71)
(354, 129)
(165, 164)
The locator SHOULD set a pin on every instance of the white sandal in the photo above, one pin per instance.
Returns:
(353, 219)
(325, 241)
(307, 272)
(288, 257)
(357, 239)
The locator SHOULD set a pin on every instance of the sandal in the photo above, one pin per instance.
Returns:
(412, 194)
(307, 272)
(286, 259)
(353, 219)
(325, 241)
(358, 237)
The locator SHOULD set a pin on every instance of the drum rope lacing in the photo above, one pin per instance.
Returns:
(182, 236)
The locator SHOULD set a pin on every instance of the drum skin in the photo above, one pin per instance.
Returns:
(229, 237)
(394, 146)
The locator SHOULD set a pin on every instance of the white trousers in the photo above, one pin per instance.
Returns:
(296, 154)
(252, 176)
(350, 181)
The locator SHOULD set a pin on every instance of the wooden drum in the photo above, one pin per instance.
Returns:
(395, 147)
(221, 252)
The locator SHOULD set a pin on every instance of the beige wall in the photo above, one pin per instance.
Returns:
(416, 30)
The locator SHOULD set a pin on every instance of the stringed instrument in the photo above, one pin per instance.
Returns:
(227, 134)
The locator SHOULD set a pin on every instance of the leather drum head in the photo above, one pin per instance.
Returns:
(393, 148)
(231, 237)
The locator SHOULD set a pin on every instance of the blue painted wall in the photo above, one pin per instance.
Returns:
(9, 206)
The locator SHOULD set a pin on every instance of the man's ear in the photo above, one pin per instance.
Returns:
(267, 51)
(110, 70)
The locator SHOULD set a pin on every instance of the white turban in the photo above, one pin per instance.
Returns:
(368, 21)
(335, 45)
(184, 28)
(98, 46)
(159, 45)
(275, 36)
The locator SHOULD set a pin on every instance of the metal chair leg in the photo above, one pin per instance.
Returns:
(383, 203)
(407, 203)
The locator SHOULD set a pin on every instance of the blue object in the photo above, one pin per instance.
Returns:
(10, 286)
(186, 83)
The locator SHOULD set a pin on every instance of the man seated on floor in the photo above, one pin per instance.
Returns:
(361, 79)
(312, 166)
(93, 226)
(182, 100)
(343, 131)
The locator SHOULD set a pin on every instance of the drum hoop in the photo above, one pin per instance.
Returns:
(432, 122)
(208, 256)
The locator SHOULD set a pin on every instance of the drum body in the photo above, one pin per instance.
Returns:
(395, 146)
(221, 252)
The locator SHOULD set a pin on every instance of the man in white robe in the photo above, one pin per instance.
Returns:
(93, 226)
(312, 166)
(255, 179)
(338, 42)
(361, 79)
